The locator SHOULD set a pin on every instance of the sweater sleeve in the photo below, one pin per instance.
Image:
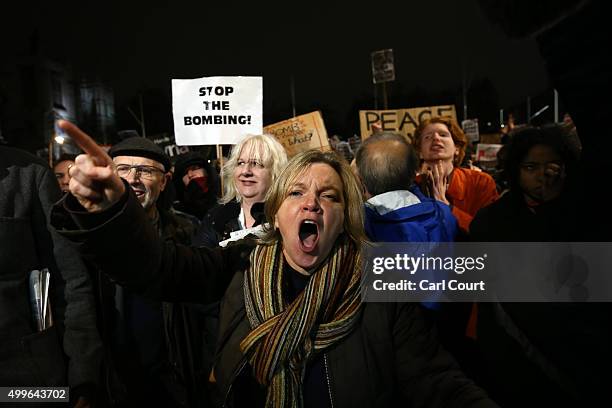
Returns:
(127, 247)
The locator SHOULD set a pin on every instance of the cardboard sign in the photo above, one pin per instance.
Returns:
(383, 68)
(301, 133)
(470, 128)
(487, 152)
(216, 110)
(403, 121)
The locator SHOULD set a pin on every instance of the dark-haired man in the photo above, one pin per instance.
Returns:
(60, 168)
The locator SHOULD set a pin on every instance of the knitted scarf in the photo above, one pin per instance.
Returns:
(285, 336)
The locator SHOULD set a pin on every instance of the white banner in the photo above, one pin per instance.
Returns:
(216, 110)
(487, 151)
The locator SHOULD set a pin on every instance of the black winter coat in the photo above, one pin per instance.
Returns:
(553, 354)
(28, 190)
(392, 358)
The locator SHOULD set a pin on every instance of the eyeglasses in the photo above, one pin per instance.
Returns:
(145, 172)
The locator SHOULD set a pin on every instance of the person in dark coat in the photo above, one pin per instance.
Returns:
(294, 329)
(153, 353)
(68, 352)
(196, 184)
(554, 354)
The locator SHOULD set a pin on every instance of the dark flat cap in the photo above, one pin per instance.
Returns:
(185, 160)
(140, 147)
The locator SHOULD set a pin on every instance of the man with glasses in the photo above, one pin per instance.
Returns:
(146, 339)
(145, 167)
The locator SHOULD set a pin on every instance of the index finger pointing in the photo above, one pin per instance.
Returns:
(85, 142)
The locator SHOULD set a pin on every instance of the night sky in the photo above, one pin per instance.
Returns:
(326, 48)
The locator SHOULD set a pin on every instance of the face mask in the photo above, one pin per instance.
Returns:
(202, 182)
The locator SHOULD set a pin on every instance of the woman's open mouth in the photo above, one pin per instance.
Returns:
(309, 235)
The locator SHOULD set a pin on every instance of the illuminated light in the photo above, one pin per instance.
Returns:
(59, 139)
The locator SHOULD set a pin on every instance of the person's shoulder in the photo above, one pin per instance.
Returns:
(224, 211)
(238, 252)
(481, 176)
(494, 213)
(10, 156)
(182, 218)
(476, 182)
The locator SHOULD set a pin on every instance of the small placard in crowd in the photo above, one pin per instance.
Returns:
(216, 110)
(301, 133)
(487, 152)
(470, 128)
(383, 68)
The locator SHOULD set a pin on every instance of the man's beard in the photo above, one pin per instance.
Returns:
(146, 200)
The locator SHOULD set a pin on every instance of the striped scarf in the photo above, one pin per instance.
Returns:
(286, 336)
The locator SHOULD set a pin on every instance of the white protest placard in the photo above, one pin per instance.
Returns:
(216, 110)
(487, 152)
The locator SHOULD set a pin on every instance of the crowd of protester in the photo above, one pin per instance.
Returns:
(251, 296)
(175, 285)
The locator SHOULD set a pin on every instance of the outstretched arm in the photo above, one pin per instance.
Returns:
(94, 181)
(104, 216)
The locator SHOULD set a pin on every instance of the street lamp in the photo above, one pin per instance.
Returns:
(59, 139)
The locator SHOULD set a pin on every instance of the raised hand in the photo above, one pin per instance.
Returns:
(94, 181)
(438, 181)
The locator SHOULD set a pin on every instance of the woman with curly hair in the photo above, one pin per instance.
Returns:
(441, 145)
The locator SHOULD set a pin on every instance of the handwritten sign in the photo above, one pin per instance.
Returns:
(403, 121)
(301, 133)
(216, 110)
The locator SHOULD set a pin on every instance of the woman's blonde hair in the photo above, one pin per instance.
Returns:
(263, 148)
(351, 192)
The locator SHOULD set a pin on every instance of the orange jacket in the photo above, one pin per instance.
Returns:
(468, 192)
